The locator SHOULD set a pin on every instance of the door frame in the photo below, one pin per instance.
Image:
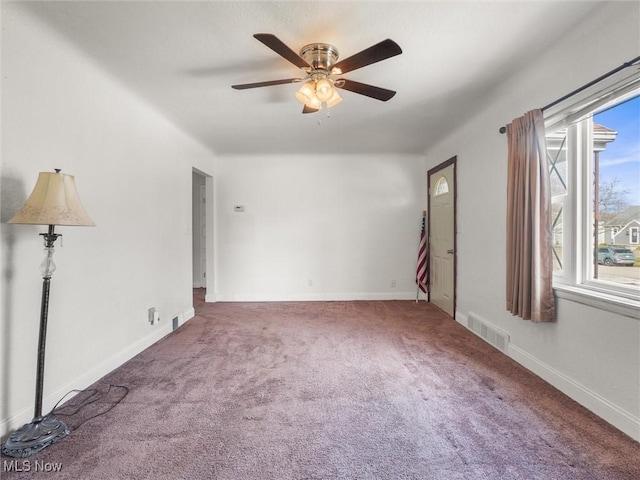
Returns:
(452, 161)
(209, 279)
(203, 235)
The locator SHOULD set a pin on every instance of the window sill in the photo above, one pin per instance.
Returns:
(598, 299)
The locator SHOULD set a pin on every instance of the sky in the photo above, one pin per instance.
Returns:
(621, 158)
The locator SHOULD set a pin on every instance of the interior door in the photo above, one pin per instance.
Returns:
(442, 236)
(203, 235)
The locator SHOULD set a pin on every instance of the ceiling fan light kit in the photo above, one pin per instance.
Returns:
(324, 90)
(307, 95)
(314, 93)
(318, 61)
(334, 99)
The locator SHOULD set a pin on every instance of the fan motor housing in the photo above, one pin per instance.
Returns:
(321, 56)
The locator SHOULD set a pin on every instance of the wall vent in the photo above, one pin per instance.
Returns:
(489, 333)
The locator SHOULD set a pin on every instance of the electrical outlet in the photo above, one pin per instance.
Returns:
(393, 284)
(154, 316)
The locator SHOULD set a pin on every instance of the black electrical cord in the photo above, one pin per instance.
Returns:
(94, 397)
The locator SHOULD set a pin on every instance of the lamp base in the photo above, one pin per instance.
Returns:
(35, 436)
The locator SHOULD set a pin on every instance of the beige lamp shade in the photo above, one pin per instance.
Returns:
(54, 201)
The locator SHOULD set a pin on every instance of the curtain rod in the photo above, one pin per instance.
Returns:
(630, 63)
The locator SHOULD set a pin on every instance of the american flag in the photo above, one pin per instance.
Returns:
(423, 259)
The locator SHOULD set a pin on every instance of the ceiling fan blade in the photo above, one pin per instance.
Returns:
(308, 109)
(363, 89)
(275, 44)
(244, 86)
(376, 53)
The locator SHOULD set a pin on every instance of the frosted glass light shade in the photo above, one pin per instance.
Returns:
(307, 93)
(324, 90)
(314, 103)
(54, 201)
(335, 99)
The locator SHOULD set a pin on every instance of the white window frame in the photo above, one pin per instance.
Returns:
(575, 282)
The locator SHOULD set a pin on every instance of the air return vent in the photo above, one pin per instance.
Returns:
(489, 333)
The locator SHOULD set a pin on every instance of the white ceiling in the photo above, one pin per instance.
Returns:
(183, 56)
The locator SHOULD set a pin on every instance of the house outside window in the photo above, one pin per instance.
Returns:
(582, 220)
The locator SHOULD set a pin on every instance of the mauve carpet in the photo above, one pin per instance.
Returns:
(330, 390)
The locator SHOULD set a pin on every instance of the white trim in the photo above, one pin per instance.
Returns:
(210, 298)
(25, 414)
(312, 297)
(615, 89)
(575, 281)
(599, 299)
(629, 224)
(185, 315)
(621, 419)
(621, 230)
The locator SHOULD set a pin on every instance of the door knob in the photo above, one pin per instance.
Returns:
(450, 251)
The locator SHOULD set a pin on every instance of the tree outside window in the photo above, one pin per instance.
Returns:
(594, 165)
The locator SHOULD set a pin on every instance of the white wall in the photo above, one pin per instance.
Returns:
(591, 354)
(318, 227)
(133, 172)
(325, 227)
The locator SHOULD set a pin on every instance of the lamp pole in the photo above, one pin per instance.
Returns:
(47, 271)
(42, 431)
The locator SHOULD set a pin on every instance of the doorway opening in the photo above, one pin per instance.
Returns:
(202, 232)
(442, 236)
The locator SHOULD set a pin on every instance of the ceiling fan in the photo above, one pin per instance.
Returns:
(318, 62)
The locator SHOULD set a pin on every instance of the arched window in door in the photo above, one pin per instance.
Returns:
(442, 186)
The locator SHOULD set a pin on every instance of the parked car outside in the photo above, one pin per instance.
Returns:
(613, 255)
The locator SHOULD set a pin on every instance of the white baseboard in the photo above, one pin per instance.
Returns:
(210, 298)
(312, 297)
(589, 399)
(185, 315)
(25, 414)
(621, 419)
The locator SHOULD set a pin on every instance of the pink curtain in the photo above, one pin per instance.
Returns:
(529, 236)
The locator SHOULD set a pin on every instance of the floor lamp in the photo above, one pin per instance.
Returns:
(54, 201)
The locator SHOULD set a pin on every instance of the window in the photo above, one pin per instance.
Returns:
(594, 167)
(442, 186)
(557, 157)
